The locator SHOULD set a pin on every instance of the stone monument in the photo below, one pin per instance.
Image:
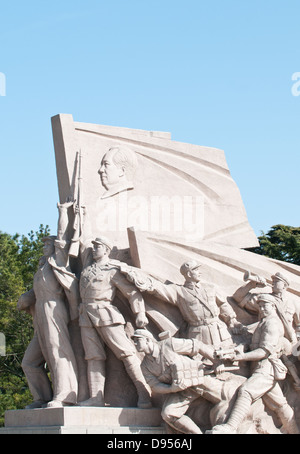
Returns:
(165, 322)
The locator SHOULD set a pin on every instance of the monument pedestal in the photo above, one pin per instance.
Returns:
(84, 420)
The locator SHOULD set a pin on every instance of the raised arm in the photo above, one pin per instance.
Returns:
(61, 243)
(134, 296)
(146, 283)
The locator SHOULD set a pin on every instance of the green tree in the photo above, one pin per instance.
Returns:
(282, 242)
(19, 256)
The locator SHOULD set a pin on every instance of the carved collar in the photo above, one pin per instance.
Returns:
(192, 285)
(156, 353)
(103, 266)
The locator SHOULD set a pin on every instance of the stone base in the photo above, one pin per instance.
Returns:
(83, 420)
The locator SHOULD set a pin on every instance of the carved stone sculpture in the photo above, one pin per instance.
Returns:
(266, 349)
(154, 236)
(51, 343)
(207, 313)
(117, 170)
(173, 368)
(287, 307)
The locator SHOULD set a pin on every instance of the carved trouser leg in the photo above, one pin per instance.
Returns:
(184, 424)
(33, 365)
(240, 410)
(96, 358)
(133, 369)
(174, 409)
(96, 381)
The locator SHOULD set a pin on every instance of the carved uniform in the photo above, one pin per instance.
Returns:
(51, 342)
(263, 382)
(169, 363)
(201, 307)
(168, 359)
(98, 286)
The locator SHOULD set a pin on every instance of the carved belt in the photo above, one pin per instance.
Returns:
(204, 322)
(95, 302)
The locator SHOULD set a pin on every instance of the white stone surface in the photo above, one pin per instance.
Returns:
(83, 420)
(189, 182)
(178, 204)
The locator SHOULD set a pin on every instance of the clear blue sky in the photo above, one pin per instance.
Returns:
(214, 73)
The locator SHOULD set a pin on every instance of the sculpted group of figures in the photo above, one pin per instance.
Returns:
(206, 363)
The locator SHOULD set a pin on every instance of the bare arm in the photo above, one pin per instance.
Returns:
(192, 347)
(255, 355)
(146, 283)
(61, 243)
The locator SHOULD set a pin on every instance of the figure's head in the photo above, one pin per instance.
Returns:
(48, 248)
(101, 248)
(117, 168)
(143, 341)
(280, 283)
(191, 271)
(267, 304)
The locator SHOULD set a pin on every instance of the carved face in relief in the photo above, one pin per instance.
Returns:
(110, 173)
(99, 251)
(143, 344)
(117, 170)
(191, 270)
(266, 309)
(194, 275)
(278, 286)
(48, 248)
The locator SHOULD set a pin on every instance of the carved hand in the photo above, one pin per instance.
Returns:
(141, 320)
(261, 282)
(236, 327)
(68, 203)
(176, 387)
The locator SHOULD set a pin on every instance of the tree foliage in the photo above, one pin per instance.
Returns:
(19, 256)
(282, 242)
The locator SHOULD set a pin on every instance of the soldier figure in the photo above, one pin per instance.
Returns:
(102, 323)
(287, 306)
(169, 368)
(54, 286)
(268, 369)
(208, 314)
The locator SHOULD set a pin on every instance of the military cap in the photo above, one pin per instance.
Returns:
(103, 240)
(189, 266)
(266, 298)
(142, 333)
(281, 277)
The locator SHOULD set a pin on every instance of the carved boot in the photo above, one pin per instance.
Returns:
(36, 404)
(184, 424)
(287, 417)
(96, 380)
(58, 404)
(133, 369)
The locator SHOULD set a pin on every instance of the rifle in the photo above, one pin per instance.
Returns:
(74, 247)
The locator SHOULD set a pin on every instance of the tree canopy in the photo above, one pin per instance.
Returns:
(282, 242)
